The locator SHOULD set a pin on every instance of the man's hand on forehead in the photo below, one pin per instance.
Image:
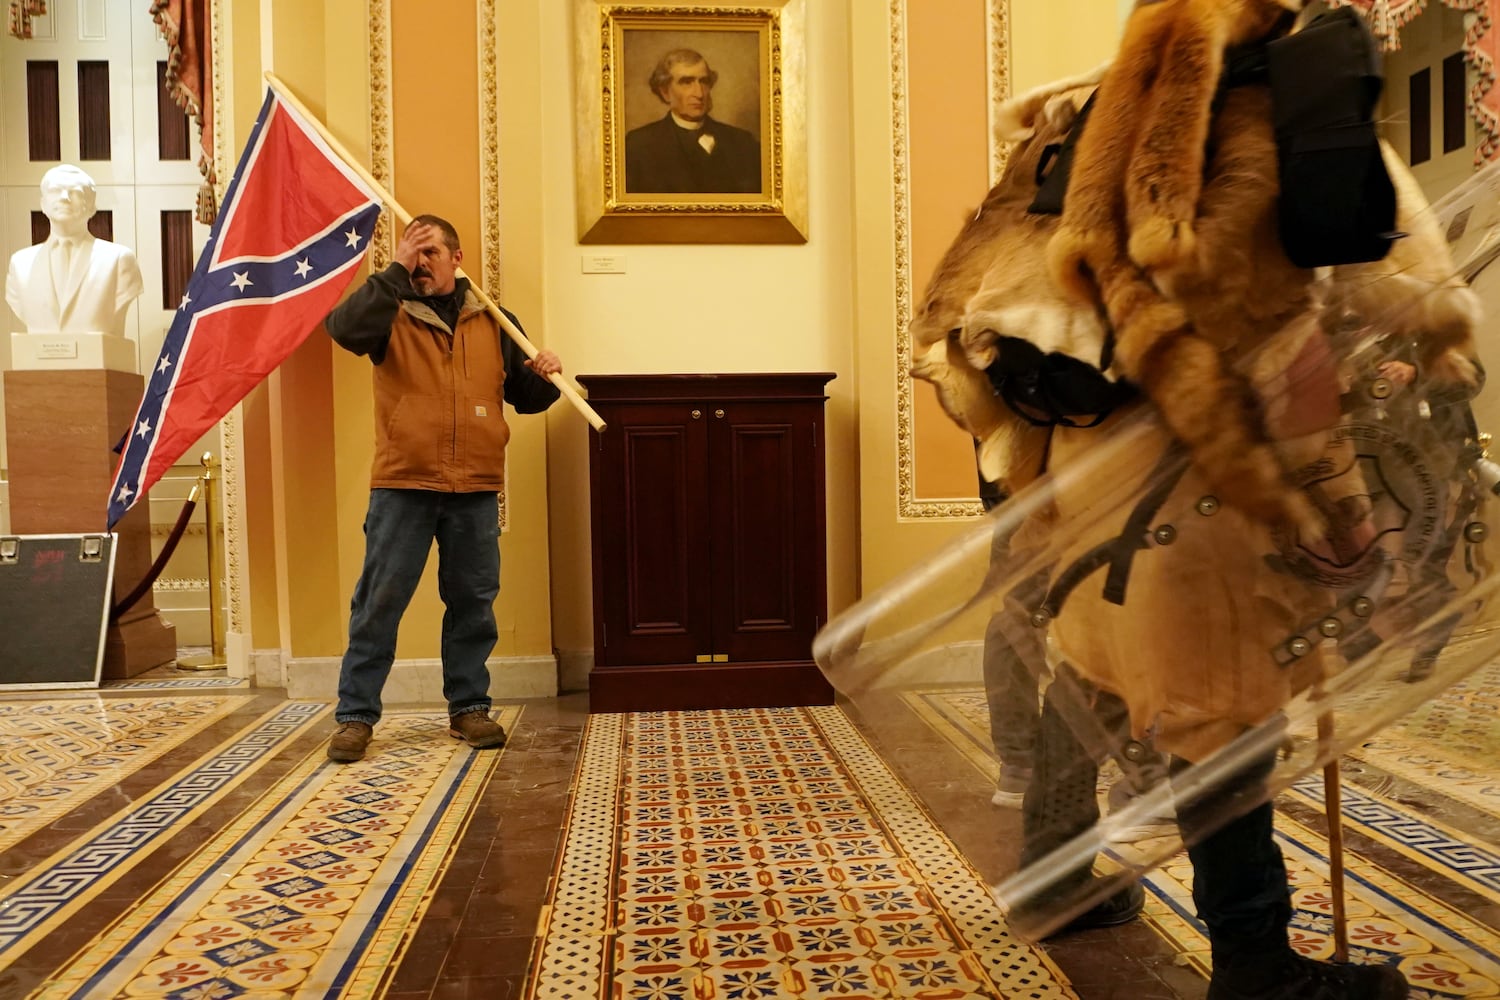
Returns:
(417, 239)
(422, 235)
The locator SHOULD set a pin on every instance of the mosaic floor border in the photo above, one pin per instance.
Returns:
(57, 755)
(176, 682)
(1444, 953)
(757, 854)
(34, 903)
(316, 887)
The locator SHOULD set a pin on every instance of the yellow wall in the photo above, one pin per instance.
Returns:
(303, 431)
(1056, 38)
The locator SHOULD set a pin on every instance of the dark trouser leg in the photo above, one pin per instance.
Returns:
(398, 535)
(1061, 802)
(1240, 887)
(1239, 878)
(1079, 727)
(1013, 664)
(468, 537)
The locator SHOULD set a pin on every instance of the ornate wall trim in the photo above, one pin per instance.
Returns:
(489, 150)
(492, 275)
(231, 434)
(382, 164)
(997, 32)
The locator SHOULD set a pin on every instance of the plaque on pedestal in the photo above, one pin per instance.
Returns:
(54, 351)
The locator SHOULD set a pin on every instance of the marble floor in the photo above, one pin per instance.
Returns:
(182, 835)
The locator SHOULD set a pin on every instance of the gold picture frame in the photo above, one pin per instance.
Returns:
(755, 51)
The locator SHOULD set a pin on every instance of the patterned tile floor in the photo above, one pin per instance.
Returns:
(1414, 879)
(180, 835)
(764, 853)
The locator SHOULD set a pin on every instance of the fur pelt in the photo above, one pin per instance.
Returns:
(1132, 241)
(999, 242)
(1231, 347)
(1182, 333)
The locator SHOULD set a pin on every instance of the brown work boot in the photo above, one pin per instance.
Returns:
(476, 729)
(348, 744)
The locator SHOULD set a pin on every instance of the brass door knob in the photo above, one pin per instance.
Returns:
(719, 414)
(697, 414)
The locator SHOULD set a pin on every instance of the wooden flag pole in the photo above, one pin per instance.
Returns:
(1333, 807)
(404, 217)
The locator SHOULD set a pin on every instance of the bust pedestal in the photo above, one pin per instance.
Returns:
(59, 428)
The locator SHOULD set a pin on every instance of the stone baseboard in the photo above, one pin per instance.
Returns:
(573, 666)
(420, 682)
(267, 668)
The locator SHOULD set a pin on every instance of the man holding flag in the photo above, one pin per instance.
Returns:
(294, 226)
(443, 372)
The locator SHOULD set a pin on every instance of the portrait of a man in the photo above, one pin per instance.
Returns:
(687, 150)
(692, 124)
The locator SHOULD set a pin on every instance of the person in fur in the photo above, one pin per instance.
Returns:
(1175, 258)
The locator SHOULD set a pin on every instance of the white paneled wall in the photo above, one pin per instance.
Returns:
(135, 185)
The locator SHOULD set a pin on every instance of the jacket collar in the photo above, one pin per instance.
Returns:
(417, 309)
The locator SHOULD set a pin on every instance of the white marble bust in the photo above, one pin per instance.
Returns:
(72, 283)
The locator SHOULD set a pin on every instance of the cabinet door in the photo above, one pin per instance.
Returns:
(766, 510)
(652, 536)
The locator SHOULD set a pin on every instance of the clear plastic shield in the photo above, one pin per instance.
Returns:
(1182, 653)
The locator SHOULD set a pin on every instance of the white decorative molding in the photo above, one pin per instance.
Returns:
(489, 152)
(160, 529)
(231, 471)
(165, 585)
(492, 276)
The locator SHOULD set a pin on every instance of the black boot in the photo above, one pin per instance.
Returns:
(1240, 888)
(1289, 976)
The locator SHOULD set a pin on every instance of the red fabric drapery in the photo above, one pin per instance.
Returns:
(21, 13)
(1481, 51)
(185, 25)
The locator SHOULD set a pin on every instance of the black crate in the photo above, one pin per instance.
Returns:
(54, 606)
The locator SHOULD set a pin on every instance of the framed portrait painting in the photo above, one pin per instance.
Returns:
(692, 122)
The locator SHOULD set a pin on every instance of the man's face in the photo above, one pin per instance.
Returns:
(437, 267)
(65, 200)
(688, 91)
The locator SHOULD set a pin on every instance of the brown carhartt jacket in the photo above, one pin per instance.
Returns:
(439, 394)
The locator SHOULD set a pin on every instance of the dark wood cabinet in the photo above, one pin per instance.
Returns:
(707, 510)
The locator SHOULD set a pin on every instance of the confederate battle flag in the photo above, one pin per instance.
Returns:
(292, 231)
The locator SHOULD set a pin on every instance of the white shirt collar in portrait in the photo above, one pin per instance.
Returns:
(705, 140)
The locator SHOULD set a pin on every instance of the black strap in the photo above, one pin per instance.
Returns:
(1337, 202)
(1166, 475)
(1056, 166)
(1119, 552)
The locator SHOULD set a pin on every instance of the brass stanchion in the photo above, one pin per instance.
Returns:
(216, 659)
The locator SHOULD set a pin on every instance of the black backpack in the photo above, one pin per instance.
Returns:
(1337, 204)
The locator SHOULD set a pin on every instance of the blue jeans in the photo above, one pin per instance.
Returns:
(399, 529)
